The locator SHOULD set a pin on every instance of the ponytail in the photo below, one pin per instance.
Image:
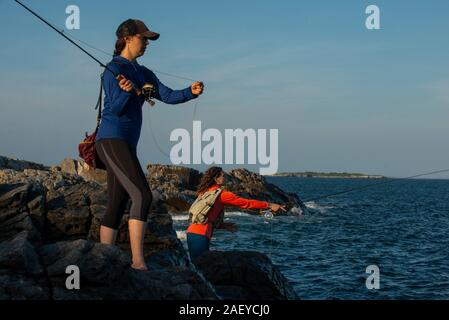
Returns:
(119, 46)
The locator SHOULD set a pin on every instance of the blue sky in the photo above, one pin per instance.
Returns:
(344, 98)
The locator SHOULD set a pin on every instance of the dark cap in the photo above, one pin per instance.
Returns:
(131, 27)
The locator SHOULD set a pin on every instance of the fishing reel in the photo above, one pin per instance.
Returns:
(148, 91)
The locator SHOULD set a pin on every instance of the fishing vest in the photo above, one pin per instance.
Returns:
(203, 204)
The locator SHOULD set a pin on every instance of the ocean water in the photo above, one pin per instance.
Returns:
(401, 227)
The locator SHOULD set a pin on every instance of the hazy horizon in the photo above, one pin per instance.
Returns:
(344, 98)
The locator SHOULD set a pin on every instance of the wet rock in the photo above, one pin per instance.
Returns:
(244, 275)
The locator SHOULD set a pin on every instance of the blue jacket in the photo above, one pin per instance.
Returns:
(122, 112)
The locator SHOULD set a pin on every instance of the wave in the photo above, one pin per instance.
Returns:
(237, 214)
(297, 211)
(180, 217)
(315, 206)
(181, 234)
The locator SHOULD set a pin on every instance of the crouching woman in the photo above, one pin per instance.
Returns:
(200, 234)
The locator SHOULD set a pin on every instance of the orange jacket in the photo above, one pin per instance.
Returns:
(225, 198)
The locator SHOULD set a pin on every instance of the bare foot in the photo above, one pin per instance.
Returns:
(140, 267)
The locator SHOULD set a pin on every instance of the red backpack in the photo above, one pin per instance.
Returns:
(86, 148)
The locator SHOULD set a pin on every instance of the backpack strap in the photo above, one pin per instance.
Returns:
(220, 217)
(203, 204)
(99, 102)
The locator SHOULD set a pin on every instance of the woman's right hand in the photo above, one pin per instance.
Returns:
(276, 207)
(124, 83)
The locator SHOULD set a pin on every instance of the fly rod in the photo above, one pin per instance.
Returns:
(147, 90)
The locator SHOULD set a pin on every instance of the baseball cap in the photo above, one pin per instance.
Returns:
(132, 27)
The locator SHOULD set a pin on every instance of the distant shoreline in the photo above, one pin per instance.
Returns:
(343, 175)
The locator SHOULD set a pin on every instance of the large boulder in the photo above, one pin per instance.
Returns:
(253, 185)
(175, 184)
(18, 254)
(80, 168)
(243, 275)
(27, 273)
(20, 204)
(21, 272)
(105, 274)
(181, 177)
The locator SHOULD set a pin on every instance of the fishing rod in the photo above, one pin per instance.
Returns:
(147, 90)
(101, 64)
(110, 55)
(161, 150)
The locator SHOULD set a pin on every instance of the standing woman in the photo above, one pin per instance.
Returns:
(199, 235)
(119, 134)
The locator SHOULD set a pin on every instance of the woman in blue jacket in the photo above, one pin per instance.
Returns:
(119, 134)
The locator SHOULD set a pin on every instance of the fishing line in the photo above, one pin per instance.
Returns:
(268, 216)
(150, 126)
(146, 93)
(158, 146)
(110, 55)
(62, 34)
(375, 184)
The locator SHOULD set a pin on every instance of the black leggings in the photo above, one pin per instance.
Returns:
(125, 180)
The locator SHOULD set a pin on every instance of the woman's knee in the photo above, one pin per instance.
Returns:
(111, 221)
(147, 199)
(142, 205)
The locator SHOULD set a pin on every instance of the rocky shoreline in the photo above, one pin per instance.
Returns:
(50, 217)
(334, 175)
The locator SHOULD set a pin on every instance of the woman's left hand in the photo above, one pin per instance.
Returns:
(197, 88)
